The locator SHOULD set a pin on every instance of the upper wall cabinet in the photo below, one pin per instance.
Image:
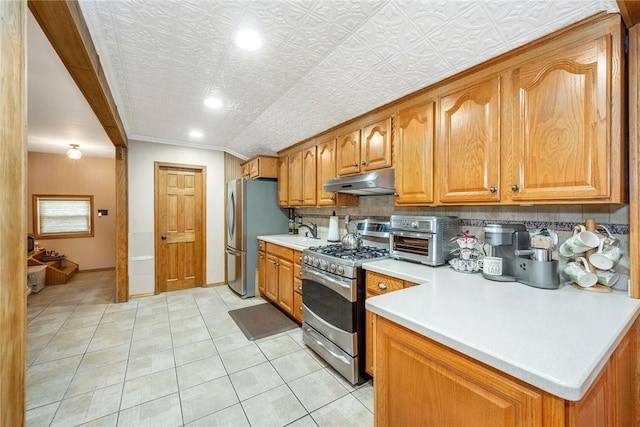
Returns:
(260, 167)
(283, 181)
(564, 141)
(326, 170)
(468, 147)
(365, 149)
(414, 155)
(302, 177)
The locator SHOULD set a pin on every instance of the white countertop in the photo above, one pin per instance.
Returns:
(557, 340)
(293, 241)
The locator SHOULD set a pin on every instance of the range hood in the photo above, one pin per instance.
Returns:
(367, 184)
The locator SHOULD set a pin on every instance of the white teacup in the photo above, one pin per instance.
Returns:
(580, 274)
(580, 242)
(608, 277)
(606, 257)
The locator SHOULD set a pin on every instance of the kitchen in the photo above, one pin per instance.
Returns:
(371, 204)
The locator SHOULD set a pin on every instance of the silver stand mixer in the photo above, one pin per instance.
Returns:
(520, 263)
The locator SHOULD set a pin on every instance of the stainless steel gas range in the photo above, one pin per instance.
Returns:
(333, 298)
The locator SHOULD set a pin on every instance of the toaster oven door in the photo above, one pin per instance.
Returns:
(412, 246)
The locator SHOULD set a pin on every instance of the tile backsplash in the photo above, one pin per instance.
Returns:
(561, 218)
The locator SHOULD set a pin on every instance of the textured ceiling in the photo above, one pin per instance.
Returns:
(323, 61)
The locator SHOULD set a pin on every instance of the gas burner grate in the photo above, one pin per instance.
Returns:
(363, 252)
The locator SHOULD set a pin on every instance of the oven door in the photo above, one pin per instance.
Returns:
(329, 305)
(412, 246)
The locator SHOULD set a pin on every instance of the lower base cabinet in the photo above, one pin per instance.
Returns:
(279, 281)
(420, 382)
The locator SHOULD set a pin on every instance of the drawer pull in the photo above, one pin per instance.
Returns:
(381, 285)
(300, 288)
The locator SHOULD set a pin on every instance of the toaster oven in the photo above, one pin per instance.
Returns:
(425, 239)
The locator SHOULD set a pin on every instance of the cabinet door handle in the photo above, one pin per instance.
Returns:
(300, 288)
(396, 194)
(300, 274)
(301, 200)
(355, 165)
(493, 189)
(163, 237)
(333, 198)
(381, 285)
(363, 163)
(515, 187)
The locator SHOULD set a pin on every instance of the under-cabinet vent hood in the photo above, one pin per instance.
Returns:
(366, 184)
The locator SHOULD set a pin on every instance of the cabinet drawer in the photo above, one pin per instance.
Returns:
(297, 286)
(381, 284)
(297, 257)
(280, 251)
(297, 271)
(262, 245)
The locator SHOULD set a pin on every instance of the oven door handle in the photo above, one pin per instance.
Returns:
(318, 341)
(343, 288)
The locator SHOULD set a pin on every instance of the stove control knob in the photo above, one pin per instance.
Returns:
(316, 262)
(340, 269)
(332, 267)
(305, 259)
(414, 224)
(323, 264)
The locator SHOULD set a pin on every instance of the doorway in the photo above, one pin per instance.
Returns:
(180, 231)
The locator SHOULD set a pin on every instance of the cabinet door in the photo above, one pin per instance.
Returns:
(283, 181)
(262, 272)
(285, 285)
(348, 154)
(297, 302)
(295, 179)
(469, 144)
(414, 161)
(421, 383)
(271, 279)
(245, 170)
(326, 171)
(309, 177)
(376, 146)
(369, 332)
(254, 168)
(561, 138)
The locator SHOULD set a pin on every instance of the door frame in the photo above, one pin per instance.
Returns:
(156, 227)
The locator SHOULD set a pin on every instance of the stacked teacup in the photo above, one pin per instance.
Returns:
(603, 259)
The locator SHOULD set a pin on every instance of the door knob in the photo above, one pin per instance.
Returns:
(163, 237)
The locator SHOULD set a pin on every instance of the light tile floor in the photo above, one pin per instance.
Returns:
(175, 359)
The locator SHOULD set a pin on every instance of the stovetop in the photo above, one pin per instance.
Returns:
(362, 253)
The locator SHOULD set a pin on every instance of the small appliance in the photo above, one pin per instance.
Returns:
(425, 239)
(511, 244)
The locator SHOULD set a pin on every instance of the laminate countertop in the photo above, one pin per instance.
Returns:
(557, 340)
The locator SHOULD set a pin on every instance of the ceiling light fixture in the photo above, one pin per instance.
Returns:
(73, 152)
(196, 134)
(248, 39)
(213, 102)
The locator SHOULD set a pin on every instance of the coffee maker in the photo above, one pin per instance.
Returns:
(520, 263)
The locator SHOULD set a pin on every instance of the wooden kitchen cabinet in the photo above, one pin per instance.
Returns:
(262, 267)
(260, 167)
(414, 155)
(468, 144)
(279, 277)
(302, 178)
(421, 382)
(283, 181)
(566, 124)
(326, 170)
(377, 284)
(365, 149)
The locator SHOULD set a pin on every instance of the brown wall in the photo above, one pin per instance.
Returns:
(57, 174)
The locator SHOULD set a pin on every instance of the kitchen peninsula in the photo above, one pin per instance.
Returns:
(507, 353)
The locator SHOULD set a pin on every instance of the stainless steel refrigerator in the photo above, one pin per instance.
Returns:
(252, 210)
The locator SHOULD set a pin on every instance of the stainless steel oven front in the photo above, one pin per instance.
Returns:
(333, 313)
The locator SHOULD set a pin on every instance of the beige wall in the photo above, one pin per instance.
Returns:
(57, 174)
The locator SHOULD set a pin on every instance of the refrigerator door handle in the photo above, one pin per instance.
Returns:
(233, 251)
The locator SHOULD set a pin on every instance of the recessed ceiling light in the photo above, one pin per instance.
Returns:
(213, 102)
(248, 39)
(196, 134)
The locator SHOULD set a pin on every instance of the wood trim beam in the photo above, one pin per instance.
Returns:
(630, 12)
(634, 160)
(13, 213)
(66, 29)
(122, 224)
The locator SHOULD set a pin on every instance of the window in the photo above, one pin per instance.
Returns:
(56, 217)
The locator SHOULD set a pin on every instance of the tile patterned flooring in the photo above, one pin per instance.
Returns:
(175, 359)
